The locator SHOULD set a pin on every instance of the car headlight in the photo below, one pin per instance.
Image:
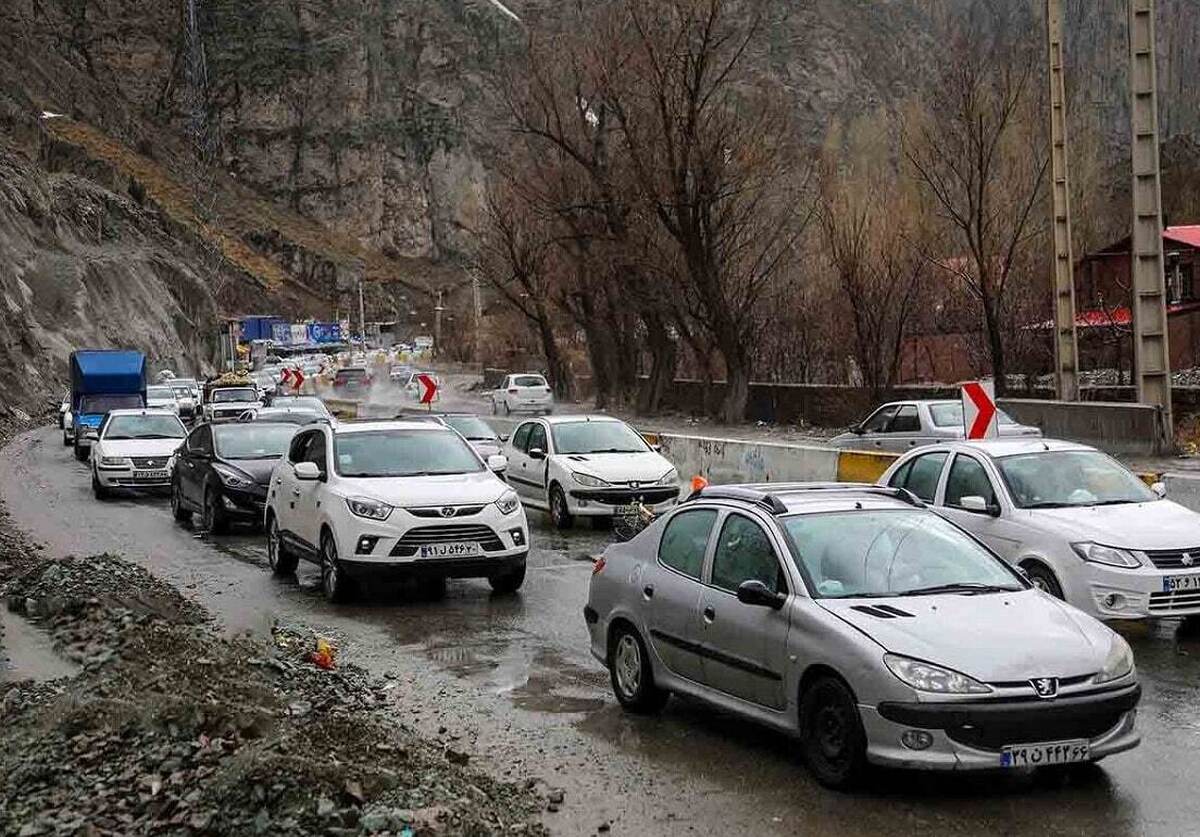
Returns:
(509, 502)
(671, 477)
(1118, 663)
(588, 480)
(115, 462)
(368, 508)
(232, 478)
(1107, 555)
(927, 677)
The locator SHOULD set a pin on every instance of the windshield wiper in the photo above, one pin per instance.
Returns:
(968, 588)
(1050, 504)
(1113, 502)
(613, 450)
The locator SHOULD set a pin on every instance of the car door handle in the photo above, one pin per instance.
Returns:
(648, 591)
(709, 614)
(295, 492)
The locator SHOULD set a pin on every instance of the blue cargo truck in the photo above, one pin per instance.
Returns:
(103, 380)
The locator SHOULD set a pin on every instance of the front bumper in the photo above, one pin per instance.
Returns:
(474, 567)
(603, 502)
(125, 478)
(246, 504)
(393, 546)
(1136, 593)
(971, 735)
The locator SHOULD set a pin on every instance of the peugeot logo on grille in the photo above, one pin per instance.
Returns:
(448, 511)
(1046, 687)
(1187, 560)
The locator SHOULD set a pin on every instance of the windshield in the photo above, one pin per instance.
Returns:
(252, 441)
(472, 427)
(144, 427)
(231, 396)
(894, 552)
(351, 373)
(950, 414)
(182, 392)
(597, 437)
(403, 453)
(529, 381)
(91, 404)
(1060, 479)
(160, 394)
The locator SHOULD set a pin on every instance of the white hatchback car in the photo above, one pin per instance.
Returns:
(587, 466)
(135, 450)
(1081, 525)
(373, 499)
(523, 393)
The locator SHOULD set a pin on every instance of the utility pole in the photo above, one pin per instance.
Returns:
(1151, 356)
(437, 326)
(362, 316)
(1066, 342)
(477, 306)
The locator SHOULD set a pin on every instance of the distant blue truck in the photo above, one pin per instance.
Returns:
(102, 380)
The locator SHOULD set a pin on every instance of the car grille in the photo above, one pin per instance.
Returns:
(150, 461)
(487, 539)
(999, 733)
(132, 481)
(1177, 601)
(436, 511)
(1174, 559)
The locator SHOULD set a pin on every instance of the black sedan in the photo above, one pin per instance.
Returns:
(222, 472)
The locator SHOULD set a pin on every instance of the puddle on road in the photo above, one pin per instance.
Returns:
(28, 652)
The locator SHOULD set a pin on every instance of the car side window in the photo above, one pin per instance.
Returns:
(314, 451)
(923, 475)
(296, 449)
(744, 553)
(685, 539)
(520, 439)
(906, 420)
(968, 478)
(205, 441)
(537, 438)
(901, 476)
(879, 419)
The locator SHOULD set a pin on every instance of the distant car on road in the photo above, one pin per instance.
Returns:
(413, 389)
(134, 449)
(162, 397)
(372, 499)
(1081, 525)
(400, 374)
(226, 403)
(223, 471)
(64, 408)
(186, 398)
(352, 380)
(902, 425)
(864, 625)
(587, 466)
(526, 393)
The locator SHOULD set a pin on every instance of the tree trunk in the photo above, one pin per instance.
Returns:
(664, 358)
(737, 390)
(995, 348)
(556, 367)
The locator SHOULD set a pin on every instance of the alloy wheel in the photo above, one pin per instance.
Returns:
(273, 545)
(329, 568)
(627, 661)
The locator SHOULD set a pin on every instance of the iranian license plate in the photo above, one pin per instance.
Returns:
(1172, 583)
(1040, 755)
(448, 550)
(150, 475)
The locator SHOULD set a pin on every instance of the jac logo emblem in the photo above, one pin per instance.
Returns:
(448, 511)
(1046, 687)
(1187, 560)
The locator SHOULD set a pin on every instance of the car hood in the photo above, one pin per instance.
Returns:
(644, 467)
(1157, 524)
(996, 637)
(257, 469)
(140, 447)
(448, 489)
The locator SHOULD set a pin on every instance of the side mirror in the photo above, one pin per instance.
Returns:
(503, 437)
(497, 462)
(978, 505)
(537, 453)
(857, 429)
(754, 592)
(307, 471)
(1159, 488)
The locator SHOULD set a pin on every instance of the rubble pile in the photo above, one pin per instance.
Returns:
(173, 728)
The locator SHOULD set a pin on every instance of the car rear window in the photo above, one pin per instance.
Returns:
(529, 381)
(343, 374)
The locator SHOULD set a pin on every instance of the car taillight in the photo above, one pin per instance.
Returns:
(598, 566)
(512, 392)
(546, 388)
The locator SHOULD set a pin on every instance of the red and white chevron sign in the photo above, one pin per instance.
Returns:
(979, 410)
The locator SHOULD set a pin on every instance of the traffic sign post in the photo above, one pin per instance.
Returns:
(297, 380)
(979, 410)
(428, 389)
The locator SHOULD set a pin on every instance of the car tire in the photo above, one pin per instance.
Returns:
(215, 521)
(67, 440)
(81, 453)
(507, 409)
(334, 584)
(508, 582)
(98, 490)
(495, 408)
(281, 559)
(631, 675)
(560, 516)
(1042, 577)
(178, 511)
(831, 734)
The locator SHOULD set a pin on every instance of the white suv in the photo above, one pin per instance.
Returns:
(528, 392)
(587, 466)
(394, 499)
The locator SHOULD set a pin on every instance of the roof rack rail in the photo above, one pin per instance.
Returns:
(766, 495)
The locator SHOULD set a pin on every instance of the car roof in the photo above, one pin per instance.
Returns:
(809, 497)
(367, 425)
(142, 411)
(1000, 448)
(569, 418)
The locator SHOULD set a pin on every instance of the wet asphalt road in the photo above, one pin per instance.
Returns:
(510, 680)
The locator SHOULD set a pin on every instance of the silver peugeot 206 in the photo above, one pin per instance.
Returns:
(863, 624)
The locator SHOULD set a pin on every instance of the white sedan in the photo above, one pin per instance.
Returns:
(1081, 525)
(587, 466)
(135, 450)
